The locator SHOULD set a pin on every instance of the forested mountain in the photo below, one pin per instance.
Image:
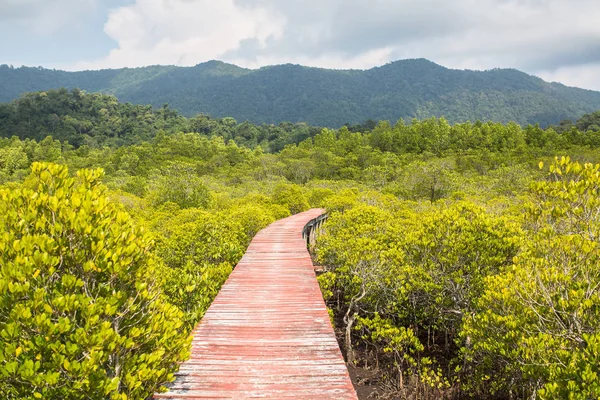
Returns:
(403, 89)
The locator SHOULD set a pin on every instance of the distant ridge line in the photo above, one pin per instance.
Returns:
(415, 88)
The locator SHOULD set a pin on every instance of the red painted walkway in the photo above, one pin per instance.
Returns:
(267, 334)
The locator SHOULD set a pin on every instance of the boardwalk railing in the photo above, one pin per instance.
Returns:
(312, 228)
(268, 334)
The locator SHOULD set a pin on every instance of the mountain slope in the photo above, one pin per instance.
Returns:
(403, 89)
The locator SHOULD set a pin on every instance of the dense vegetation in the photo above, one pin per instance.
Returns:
(81, 312)
(403, 89)
(459, 299)
(95, 120)
(455, 267)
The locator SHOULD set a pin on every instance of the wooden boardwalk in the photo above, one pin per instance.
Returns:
(267, 334)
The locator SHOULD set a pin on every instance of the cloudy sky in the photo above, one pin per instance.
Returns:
(558, 40)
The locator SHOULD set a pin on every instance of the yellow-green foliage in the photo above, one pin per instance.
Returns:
(81, 313)
(410, 275)
(178, 184)
(436, 256)
(290, 196)
(536, 329)
(455, 249)
(199, 249)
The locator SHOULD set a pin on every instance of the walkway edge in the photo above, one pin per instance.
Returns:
(268, 333)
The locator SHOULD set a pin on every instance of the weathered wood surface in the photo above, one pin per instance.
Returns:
(267, 334)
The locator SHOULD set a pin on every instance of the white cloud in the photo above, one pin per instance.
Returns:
(587, 76)
(552, 36)
(182, 32)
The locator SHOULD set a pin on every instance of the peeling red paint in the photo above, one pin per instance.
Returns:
(267, 334)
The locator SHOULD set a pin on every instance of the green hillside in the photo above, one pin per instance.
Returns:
(403, 89)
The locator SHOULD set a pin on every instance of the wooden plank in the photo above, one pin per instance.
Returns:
(267, 334)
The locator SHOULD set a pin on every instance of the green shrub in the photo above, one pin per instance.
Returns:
(290, 196)
(81, 315)
(536, 328)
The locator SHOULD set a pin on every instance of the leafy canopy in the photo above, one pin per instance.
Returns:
(81, 312)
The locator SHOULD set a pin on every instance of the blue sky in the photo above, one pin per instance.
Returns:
(32, 34)
(558, 40)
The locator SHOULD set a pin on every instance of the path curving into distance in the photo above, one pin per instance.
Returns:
(267, 334)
